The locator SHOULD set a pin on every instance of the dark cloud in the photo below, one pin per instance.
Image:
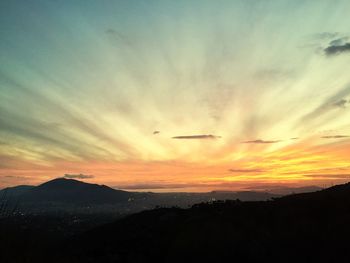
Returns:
(246, 170)
(156, 132)
(78, 176)
(196, 137)
(294, 138)
(337, 49)
(335, 136)
(261, 141)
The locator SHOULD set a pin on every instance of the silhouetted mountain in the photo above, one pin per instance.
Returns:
(309, 227)
(71, 191)
(15, 191)
(11, 197)
(338, 194)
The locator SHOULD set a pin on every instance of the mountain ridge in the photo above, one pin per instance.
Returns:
(310, 227)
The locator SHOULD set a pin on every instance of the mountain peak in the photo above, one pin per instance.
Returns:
(61, 181)
(74, 191)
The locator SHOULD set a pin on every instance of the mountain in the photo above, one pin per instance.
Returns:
(15, 191)
(10, 198)
(70, 191)
(308, 227)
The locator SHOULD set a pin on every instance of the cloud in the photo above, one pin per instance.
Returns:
(110, 31)
(335, 136)
(325, 35)
(156, 132)
(337, 49)
(196, 137)
(14, 176)
(338, 41)
(332, 176)
(271, 74)
(261, 141)
(341, 103)
(332, 103)
(145, 186)
(78, 176)
(246, 170)
(294, 138)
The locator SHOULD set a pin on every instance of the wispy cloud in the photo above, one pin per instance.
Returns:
(145, 186)
(325, 35)
(332, 176)
(14, 176)
(335, 136)
(341, 103)
(78, 176)
(339, 41)
(246, 170)
(334, 102)
(261, 141)
(197, 137)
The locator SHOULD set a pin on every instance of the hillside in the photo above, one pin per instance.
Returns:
(312, 227)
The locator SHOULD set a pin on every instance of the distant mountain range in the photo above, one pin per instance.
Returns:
(62, 195)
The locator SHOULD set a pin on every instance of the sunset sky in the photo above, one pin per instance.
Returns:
(175, 95)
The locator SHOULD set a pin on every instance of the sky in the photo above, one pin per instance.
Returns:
(175, 95)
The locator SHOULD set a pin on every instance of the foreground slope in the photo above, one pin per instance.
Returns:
(312, 227)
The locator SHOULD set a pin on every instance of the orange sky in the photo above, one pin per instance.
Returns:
(297, 164)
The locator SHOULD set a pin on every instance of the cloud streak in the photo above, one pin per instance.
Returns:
(78, 176)
(197, 137)
(335, 136)
(333, 176)
(246, 170)
(261, 141)
(146, 186)
(325, 35)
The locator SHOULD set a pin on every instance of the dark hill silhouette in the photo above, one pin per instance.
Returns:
(15, 191)
(337, 192)
(311, 227)
(75, 192)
